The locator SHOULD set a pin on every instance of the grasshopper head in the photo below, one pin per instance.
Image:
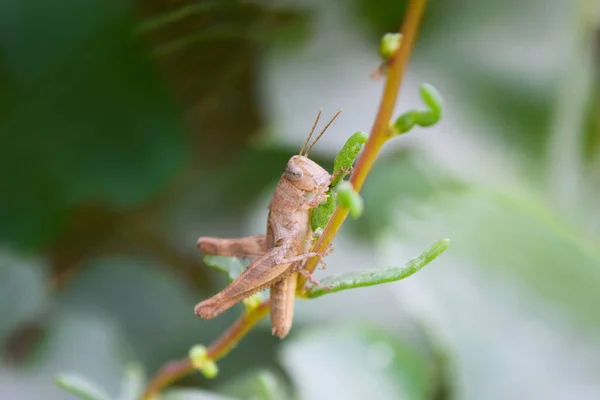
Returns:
(307, 175)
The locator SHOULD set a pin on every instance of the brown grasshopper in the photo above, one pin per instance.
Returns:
(278, 255)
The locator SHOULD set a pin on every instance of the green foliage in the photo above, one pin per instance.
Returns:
(342, 163)
(379, 364)
(319, 216)
(193, 394)
(85, 118)
(347, 155)
(80, 387)
(352, 280)
(381, 15)
(261, 385)
(132, 384)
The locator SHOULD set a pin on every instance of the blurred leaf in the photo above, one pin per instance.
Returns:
(90, 112)
(87, 344)
(81, 387)
(381, 15)
(243, 179)
(232, 266)
(133, 382)
(262, 385)
(352, 280)
(520, 113)
(193, 394)
(208, 51)
(521, 235)
(356, 363)
(401, 181)
(21, 292)
(142, 294)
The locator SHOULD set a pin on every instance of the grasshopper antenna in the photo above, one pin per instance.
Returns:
(321, 133)
(311, 131)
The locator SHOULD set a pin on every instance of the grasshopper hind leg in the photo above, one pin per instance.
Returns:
(260, 274)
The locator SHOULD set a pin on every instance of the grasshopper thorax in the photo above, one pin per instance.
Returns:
(307, 175)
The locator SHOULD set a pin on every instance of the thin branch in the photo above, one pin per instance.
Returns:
(380, 131)
(176, 370)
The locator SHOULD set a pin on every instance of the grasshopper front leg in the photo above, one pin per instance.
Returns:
(247, 247)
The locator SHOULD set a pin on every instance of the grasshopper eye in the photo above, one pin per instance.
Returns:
(292, 172)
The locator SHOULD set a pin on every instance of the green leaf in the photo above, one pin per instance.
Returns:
(373, 277)
(193, 394)
(137, 285)
(80, 387)
(360, 362)
(232, 266)
(380, 15)
(517, 234)
(320, 215)
(262, 385)
(133, 382)
(403, 181)
(88, 106)
(347, 155)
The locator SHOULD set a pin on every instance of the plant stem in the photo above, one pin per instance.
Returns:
(380, 131)
(176, 370)
(379, 135)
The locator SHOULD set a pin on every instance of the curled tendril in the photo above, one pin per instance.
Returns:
(424, 118)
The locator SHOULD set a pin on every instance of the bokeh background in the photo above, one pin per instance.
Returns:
(128, 129)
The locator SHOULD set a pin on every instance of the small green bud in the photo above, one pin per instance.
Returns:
(210, 369)
(348, 198)
(390, 43)
(199, 357)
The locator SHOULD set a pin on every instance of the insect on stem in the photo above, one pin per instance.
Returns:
(311, 131)
(321, 133)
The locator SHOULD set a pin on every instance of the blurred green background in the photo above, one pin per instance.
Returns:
(128, 129)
